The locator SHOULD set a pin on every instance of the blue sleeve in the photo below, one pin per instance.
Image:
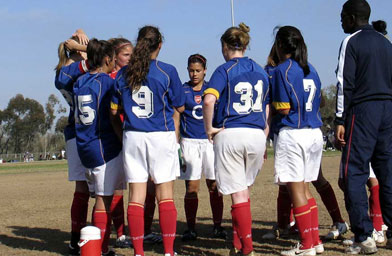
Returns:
(281, 97)
(217, 83)
(68, 75)
(176, 90)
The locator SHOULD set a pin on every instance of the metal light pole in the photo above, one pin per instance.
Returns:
(232, 13)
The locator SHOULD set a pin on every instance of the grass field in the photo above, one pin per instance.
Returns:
(35, 212)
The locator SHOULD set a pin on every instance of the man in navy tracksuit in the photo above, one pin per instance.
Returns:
(364, 120)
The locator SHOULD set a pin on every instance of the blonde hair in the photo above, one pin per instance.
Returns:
(236, 38)
(64, 54)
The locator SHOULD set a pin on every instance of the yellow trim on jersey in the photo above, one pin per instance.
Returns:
(281, 105)
(212, 91)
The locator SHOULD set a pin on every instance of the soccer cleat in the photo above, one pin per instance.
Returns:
(123, 242)
(337, 229)
(277, 233)
(189, 235)
(168, 254)
(297, 250)
(73, 251)
(378, 236)
(152, 238)
(384, 227)
(252, 253)
(234, 252)
(112, 253)
(366, 247)
(219, 232)
(319, 247)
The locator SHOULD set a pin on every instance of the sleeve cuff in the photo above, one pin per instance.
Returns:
(83, 66)
(281, 105)
(212, 91)
(339, 121)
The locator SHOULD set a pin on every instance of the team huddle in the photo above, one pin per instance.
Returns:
(132, 121)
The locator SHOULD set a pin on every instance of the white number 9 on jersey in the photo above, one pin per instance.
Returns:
(246, 104)
(144, 99)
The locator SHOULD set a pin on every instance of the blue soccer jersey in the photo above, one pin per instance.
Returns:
(298, 93)
(150, 109)
(64, 82)
(242, 90)
(95, 138)
(192, 125)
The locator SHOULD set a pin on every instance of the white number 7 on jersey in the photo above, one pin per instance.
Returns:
(309, 86)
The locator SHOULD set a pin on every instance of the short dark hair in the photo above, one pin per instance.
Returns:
(359, 8)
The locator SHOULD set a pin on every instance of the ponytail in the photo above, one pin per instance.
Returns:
(97, 50)
(289, 39)
(148, 41)
(63, 57)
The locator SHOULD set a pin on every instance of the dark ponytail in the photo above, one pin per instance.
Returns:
(148, 41)
(97, 50)
(289, 39)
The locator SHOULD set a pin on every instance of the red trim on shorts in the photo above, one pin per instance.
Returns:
(349, 147)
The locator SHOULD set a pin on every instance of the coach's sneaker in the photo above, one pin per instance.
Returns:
(337, 229)
(189, 235)
(378, 236)
(366, 247)
(297, 250)
(123, 242)
(152, 238)
(73, 250)
(219, 232)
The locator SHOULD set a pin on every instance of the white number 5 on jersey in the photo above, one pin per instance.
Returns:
(87, 115)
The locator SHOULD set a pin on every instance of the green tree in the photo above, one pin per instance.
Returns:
(22, 121)
(328, 111)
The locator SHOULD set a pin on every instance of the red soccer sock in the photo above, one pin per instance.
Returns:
(375, 209)
(329, 199)
(283, 207)
(314, 221)
(149, 209)
(168, 222)
(79, 210)
(117, 210)
(191, 204)
(303, 220)
(243, 219)
(135, 213)
(102, 220)
(216, 203)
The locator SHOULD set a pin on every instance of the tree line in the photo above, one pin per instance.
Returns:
(27, 125)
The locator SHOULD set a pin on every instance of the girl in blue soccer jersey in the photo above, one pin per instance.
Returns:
(72, 64)
(296, 95)
(148, 90)
(238, 128)
(98, 146)
(198, 153)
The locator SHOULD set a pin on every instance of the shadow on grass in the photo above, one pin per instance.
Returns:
(37, 239)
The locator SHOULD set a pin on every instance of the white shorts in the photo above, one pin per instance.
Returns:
(298, 155)
(239, 156)
(108, 177)
(76, 171)
(150, 153)
(198, 157)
